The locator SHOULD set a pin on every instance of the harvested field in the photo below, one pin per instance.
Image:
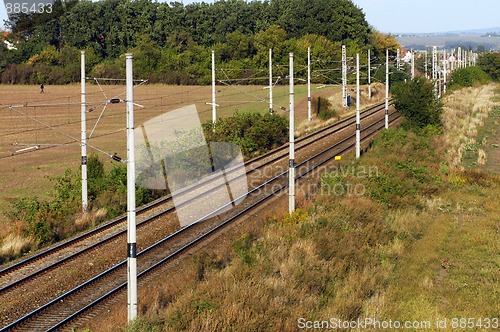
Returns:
(52, 121)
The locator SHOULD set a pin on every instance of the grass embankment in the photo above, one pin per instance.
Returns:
(405, 233)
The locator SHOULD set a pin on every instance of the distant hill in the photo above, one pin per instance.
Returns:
(487, 38)
(478, 31)
(494, 30)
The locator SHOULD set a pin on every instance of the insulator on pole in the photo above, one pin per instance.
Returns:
(116, 158)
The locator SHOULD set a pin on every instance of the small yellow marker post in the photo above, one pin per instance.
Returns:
(338, 157)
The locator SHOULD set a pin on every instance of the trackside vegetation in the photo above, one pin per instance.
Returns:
(41, 222)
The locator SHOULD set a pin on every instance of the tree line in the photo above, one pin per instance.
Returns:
(172, 42)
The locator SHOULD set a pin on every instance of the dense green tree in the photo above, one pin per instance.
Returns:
(177, 39)
(415, 100)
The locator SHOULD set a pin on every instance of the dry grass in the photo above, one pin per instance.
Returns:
(464, 112)
(92, 218)
(14, 244)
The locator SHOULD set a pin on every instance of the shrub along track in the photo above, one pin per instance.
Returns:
(100, 252)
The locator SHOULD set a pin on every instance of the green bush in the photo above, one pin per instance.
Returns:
(468, 77)
(415, 100)
(490, 64)
(253, 132)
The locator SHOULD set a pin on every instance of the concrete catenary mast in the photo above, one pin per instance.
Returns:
(84, 136)
(291, 169)
(358, 125)
(131, 225)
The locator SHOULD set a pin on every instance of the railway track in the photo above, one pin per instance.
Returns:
(63, 308)
(39, 263)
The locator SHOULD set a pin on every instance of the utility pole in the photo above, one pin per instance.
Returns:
(344, 76)
(439, 82)
(434, 62)
(309, 115)
(358, 124)
(84, 136)
(425, 64)
(291, 169)
(412, 64)
(398, 59)
(459, 58)
(214, 106)
(131, 225)
(369, 77)
(386, 89)
(271, 81)
(445, 64)
(452, 63)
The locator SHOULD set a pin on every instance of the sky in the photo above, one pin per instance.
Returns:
(418, 16)
(421, 16)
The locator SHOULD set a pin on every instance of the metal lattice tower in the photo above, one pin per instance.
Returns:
(344, 77)
(434, 62)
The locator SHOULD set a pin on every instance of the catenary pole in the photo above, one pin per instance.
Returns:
(386, 89)
(131, 224)
(291, 170)
(214, 106)
(344, 76)
(439, 82)
(309, 115)
(425, 64)
(271, 81)
(398, 59)
(358, 125)
(369, 77)
(84, 136)
(434, 63)
(459, 58)
(412, 64)
(445, 64)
